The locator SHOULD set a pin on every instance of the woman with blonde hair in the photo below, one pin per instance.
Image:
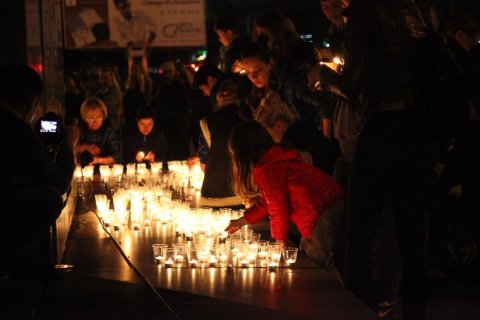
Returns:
(99, 141)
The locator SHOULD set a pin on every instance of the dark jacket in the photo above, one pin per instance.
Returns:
(293, 89)
(304, 136)
(380, 56)
(107, 138)
(216, 189)
(155, 142)
(25, 163)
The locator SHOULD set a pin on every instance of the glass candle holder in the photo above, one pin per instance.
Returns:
(180, 253)
(159, 253)
(290, 256)
(192, 257)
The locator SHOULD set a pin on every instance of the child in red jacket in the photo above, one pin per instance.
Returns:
(289, 190)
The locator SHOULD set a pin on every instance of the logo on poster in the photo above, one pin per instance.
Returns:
(172, 30)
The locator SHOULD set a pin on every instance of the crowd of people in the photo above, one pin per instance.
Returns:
(340, 160)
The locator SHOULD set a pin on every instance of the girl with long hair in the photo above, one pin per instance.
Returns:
(287, 190)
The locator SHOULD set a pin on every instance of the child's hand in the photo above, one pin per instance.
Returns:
(235, 225)
(248, 202)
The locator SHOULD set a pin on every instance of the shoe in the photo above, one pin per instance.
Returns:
(388, 310)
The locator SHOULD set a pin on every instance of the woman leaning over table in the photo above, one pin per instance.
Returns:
(100, 141)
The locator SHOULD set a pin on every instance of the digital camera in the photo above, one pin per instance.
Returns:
(48, 128)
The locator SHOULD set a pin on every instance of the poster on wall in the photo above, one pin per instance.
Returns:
(136, 23)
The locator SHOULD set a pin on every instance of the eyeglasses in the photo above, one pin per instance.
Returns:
(94, 119)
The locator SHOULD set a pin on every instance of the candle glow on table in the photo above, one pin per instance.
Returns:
(143, 199)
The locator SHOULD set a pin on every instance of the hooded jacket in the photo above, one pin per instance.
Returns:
(290, 190)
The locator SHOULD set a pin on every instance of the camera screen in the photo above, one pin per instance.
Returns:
(49, 126)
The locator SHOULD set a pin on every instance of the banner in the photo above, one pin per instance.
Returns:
(137, 23)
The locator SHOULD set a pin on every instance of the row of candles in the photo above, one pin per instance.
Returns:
(232, 252)
(179, 173)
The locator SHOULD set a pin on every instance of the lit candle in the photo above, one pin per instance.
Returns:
(272, 266)
(244, 263)
(179, 258)
(290, 262)
(276, 256)
(168, 263)
(193, 263)
(213, 261)
(158, 259)
(141, 154)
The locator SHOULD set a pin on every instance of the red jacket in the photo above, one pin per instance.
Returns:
(290, 189)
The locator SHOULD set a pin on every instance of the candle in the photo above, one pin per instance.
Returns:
(262, 255)
(193, 263)
(244, 263)
(290, 262)
(158, 259)
(272, 266)
(213, 261)
(168, 263)
(179, 258)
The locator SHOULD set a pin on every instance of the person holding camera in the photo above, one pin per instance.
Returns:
(100, 141)
(31, 183)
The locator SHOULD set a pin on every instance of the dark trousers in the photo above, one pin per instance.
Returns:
(393, 160)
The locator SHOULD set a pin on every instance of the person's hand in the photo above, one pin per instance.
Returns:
(306, 157)
(140, 156)
(192, 161)
(150, 157)
(236, 224)
(93, 149)
(248, 202)
(96, 160)
(313, 77)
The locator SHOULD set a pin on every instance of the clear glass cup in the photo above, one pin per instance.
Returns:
(159, 253)
(290, 256)
(180, 253)
(85, 190)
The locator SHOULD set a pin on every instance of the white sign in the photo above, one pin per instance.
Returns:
(157, 23)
